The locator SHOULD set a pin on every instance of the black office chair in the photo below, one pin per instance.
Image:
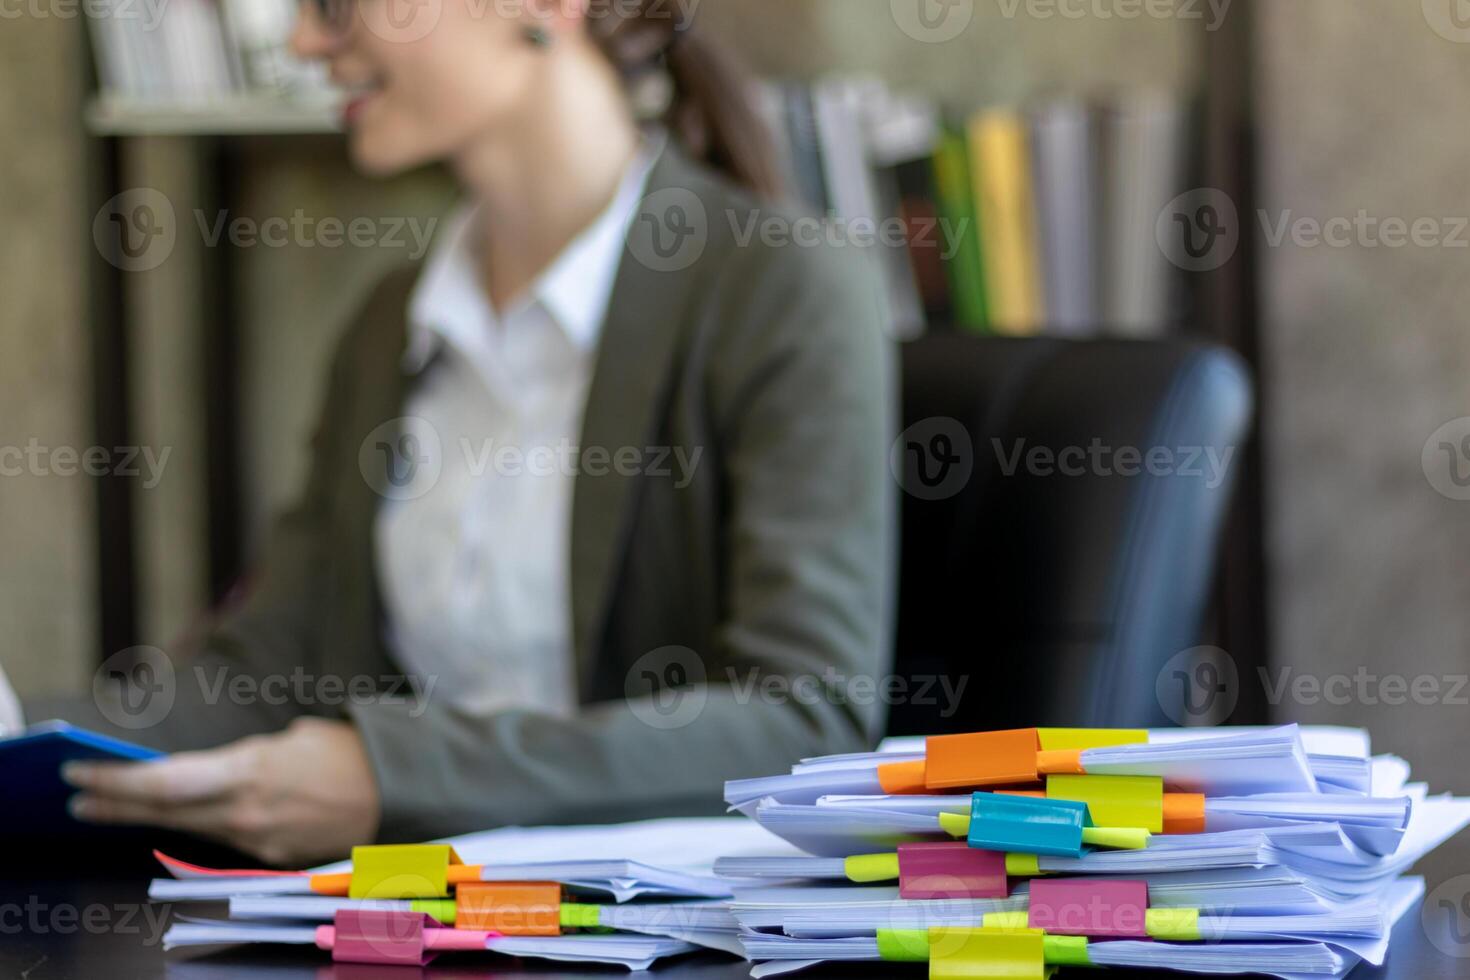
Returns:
(1059, 596)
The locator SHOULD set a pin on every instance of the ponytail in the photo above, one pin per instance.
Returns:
(710, 108)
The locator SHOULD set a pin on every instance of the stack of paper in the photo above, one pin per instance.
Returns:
(1279, 851)
(628, 895)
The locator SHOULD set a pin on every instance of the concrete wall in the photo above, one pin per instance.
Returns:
(47, 518)
(1362, 109)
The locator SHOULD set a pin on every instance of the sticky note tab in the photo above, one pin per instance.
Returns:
(380, 937)
(955, 824)
(335, 885)
(950, 870)
(903, 945)
(1118, 838)
(1023, 865)
(511, 908)
(980, 954)
(980, 759)
(1064, 761)
(1176, 925)
(442, 910)
(1057, 739)
(867, 868)
(1087, 907)
(575, 915)
(1027, 826)
(1114, 801)
(1005, 920)
(401, 871)
(902, 777)
(1184, 813)
(1066, 951)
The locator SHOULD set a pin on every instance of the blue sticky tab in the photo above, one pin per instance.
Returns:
(1025, 825)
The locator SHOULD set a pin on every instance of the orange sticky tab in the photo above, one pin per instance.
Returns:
(460, 874)
(1035, 794)
(1184, 813)
(511, 908)
(902, 777)
(337, 885)
(980, 759)
(1060, 762)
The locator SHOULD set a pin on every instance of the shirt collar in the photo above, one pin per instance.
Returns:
(448, 302)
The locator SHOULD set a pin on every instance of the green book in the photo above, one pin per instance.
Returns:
(955, 193)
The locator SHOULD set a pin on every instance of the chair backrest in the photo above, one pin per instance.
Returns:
(1062, 509)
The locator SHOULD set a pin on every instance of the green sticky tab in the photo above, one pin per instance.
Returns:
(903, 945)
(1066, 951)
(1023, 865)
(955, 824)
(401, 871)
(1178, 925)
(865, 868)
(1071, 739)
(441, 909)
(1121, 838)
(1005, 920)
(1114, 801)
(576, 915)
(973, 954)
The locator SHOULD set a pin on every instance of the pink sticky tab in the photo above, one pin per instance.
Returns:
(952, 869)
(381, 937)
(1096, 909)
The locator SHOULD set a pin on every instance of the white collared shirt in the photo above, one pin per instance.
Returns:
(476, 572)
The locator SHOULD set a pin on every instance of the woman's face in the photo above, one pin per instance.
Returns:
(425, 79)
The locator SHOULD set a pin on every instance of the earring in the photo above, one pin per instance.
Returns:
(536, 36)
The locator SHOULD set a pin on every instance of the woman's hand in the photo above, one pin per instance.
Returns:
(301, 795)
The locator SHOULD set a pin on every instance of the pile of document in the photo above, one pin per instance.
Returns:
(626, 895)
(1276, 851)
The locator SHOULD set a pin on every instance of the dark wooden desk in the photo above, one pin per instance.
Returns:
(105, 929)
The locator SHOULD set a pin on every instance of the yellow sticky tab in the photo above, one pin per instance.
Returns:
(955, 824)
(1114, 801)
(1004, 920)
(984, 954)
(1059, 739)
(401, 871)
(1067, 951)
(865, 868)
(1120, 838)
(1023, 865)
(1177, 925)
(903, 945)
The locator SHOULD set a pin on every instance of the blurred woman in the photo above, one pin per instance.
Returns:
(604, 479)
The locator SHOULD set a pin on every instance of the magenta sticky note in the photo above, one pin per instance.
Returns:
(952, 869)
(1083, 907)
(381, 937)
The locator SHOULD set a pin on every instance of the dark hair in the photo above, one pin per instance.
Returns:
(711, 113)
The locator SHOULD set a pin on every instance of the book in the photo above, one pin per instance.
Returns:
(32, 761)
(954, 194)
(1004, 202)
(1065, 162)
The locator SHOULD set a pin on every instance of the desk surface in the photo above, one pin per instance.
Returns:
(80, 929)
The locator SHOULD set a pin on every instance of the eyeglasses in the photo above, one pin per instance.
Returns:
(336, 15)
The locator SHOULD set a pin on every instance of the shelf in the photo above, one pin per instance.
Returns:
(245, 115)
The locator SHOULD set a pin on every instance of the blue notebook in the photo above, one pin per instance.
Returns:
(31, 761)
